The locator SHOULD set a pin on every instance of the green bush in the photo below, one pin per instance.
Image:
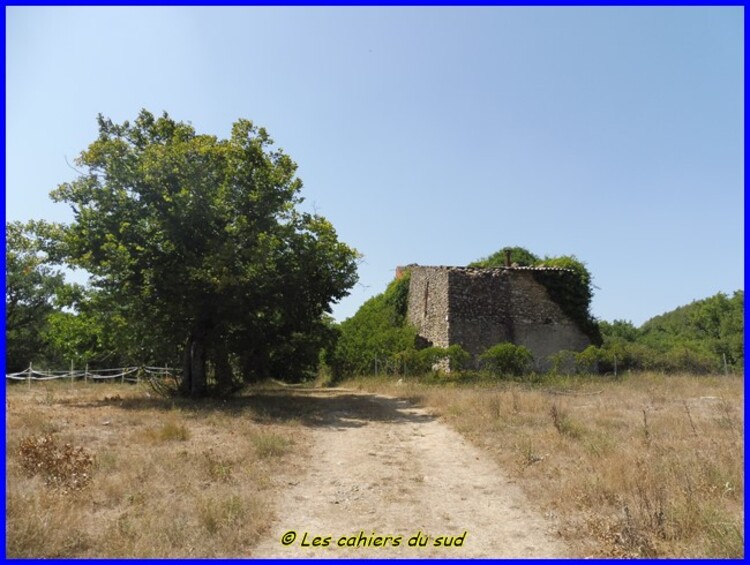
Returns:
(431, 356)
(684, 359)
(456, 357)
(562, 362)
(507, 359)
(412, 362)
(587, 361)
(626, 356)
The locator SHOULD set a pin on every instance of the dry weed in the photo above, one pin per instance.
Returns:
(41, 522)
(270, 444)
(168, 431)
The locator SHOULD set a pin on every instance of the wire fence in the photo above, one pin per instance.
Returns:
(124, 374)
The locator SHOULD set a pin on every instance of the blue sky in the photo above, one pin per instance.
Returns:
(430, 135)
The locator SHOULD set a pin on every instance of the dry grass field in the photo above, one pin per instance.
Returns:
(646, 466)
(109, 470)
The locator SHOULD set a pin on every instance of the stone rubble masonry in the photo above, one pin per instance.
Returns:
(481, 307)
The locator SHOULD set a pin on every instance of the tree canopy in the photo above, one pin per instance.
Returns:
(518, 255)
(200, 241)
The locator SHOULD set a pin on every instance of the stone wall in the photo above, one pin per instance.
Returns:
(477, 308)
(428, 304)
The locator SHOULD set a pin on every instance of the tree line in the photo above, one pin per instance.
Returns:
(702, 337)
(52, 322)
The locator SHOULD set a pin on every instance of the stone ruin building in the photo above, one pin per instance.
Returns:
(477, 308)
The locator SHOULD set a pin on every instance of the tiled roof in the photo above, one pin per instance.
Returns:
(479, 269)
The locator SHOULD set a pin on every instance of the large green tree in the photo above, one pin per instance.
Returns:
(200, 239)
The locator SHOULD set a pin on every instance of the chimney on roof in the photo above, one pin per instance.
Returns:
(507, 257)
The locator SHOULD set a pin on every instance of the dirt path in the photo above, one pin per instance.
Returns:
(381, 472)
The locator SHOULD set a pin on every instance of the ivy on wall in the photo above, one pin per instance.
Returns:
(571, 290)
(572, 293)
(397, 296)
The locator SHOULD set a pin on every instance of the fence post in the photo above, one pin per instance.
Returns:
(726, 369)
(86, 374)
(71, 372)
(28, 378)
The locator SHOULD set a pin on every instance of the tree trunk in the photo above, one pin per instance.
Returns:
(224, 373)
(254, 367)
(194, 364)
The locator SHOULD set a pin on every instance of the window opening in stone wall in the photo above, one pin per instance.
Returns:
(426, 296)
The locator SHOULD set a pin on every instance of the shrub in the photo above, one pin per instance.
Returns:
(626, 356)
(562, 362)
(507, 359)
(458, 358)
(65, 467)
(587, 361)
(455, 356)
(411, 362)
(685, 359)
